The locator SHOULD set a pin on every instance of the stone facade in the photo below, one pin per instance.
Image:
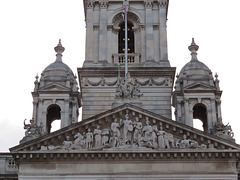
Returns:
(126, 131)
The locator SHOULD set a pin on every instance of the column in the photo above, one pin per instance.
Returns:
(74, 111)
(103, 31)
(149, 31)
(179, 114)
(214, 113)
(143, 44)
(34, 115)
(186, 109)
(96, 44)
(66, 114)
(219, 109)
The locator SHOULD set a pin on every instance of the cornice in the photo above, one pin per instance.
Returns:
(173, 155)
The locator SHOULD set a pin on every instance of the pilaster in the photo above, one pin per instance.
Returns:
(149, 30)
(163, 30)
(89, 31)
(103, 30)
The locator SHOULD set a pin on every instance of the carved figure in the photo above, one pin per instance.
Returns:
(32, 131)
(187, 143)
(79, 141)
(89, 139)
(67, 143)
(105, 137)
(148, 134)
(161, 140)
(168, 139)
(97, 137)
(115, 128)
(127, 130)
(137, 135)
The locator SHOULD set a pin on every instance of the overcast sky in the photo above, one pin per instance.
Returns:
(30, 29)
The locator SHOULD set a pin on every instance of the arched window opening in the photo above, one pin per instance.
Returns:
(121, 38)
(200, 116)
(53, 114)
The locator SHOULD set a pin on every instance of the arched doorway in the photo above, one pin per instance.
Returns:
(53, 114)
(200, 117)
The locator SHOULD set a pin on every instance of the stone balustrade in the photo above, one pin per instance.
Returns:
(132, 58)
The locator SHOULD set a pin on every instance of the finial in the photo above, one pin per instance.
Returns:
(59, 50)
(193, 48)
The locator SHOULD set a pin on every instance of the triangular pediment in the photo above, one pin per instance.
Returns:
(53, 88)
(174, 136)
(199, 87)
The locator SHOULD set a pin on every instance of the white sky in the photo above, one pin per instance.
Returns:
(30, 29)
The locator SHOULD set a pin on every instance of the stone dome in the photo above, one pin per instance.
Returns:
(195, 71)
(57, 72)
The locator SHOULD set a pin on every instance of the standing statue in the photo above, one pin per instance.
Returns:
(127, 130)
(105, 137)
(97, 137)
(137, 135)
(89, 139)
(115, 128)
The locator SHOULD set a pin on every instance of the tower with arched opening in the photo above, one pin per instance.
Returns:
(197, 95)
(56, 96)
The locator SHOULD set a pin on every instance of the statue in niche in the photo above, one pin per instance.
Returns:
(97, 137)
(187, 144)
(127, 129)
(115, 128)
(89, 139)
(79, 141)
(148, 134)
(67, 143)
(105, 137)
(137, 135)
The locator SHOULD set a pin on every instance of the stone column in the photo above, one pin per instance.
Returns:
(89, 31)
(109, 44)
(103, 31)
(143, 44)
(156, 42)
(219, 109)
(39, 114)
(163, 30)
(74, 111)
(96, 44)
(179, 112)
(186, 108)
(66, 114)
(34, 115)
(214, 113)
(149, 31)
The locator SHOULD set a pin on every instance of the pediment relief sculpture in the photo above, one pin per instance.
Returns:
(124, 134)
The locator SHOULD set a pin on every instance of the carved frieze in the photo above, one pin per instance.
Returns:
(124, 133)
(143, 82)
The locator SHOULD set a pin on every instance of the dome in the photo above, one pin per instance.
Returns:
(57, 72)
(195, 71)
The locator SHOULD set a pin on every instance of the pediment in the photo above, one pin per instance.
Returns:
(199, 86)
(100, 134)
(53, 88)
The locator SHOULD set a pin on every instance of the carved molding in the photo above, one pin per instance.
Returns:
(150, 81)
